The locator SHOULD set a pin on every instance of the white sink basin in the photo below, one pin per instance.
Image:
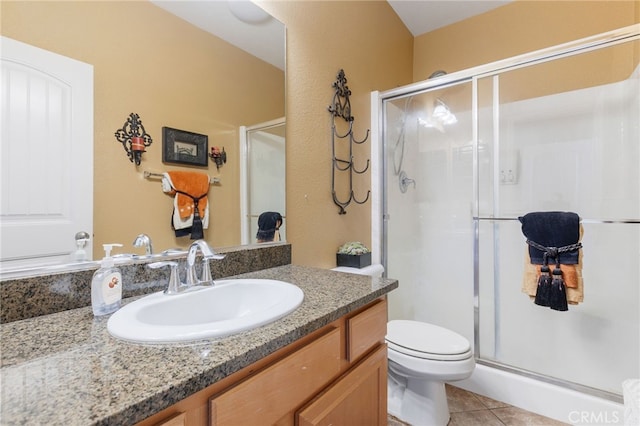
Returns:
(229, 307)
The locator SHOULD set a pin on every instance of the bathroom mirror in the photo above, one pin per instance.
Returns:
(130, 45)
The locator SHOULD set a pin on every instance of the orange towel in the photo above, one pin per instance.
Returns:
(572, 275)
(193, 183)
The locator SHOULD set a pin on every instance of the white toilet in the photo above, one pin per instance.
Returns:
(422, 357)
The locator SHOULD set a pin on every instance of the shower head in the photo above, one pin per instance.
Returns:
(438, 73)
(442, 113)
(440, 116)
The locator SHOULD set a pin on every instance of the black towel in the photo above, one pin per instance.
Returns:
(196, 229)
(552, 230)
(268, 224)
(552, 237)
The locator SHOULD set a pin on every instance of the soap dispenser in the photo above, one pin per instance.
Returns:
(106, 285)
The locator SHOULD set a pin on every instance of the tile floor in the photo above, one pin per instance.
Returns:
(470, 409)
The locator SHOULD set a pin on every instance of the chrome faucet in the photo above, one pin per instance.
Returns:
(207, 254)
(143, 240)
(175, 286)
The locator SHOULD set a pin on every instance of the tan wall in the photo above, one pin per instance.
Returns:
(516, 28)
(364, 38)
(170, 73)
(326, 36)
(370, 43)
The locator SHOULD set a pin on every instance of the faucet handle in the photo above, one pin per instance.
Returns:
(174, 286)
(206, 269)
(207, 279)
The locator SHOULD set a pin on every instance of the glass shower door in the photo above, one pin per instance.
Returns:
(428, 206)
(563, 135)
(554, 130)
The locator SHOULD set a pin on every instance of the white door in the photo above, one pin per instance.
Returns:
(46, 157)
(262, 175)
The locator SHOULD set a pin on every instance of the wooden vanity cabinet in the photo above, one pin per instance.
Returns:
(335, 375)
(269, 395)
(358, 398)
(179, 419)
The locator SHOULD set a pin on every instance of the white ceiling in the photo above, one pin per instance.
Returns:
(422, 16)
(265, 39)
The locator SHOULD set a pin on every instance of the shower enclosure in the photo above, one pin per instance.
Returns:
(262, 175)
(462, 156)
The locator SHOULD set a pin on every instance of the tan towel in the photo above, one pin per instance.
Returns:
(572, 275)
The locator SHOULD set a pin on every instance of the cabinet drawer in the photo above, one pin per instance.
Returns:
(270, 394)
(366, 329)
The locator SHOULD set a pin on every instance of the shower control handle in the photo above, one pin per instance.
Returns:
(405, 181)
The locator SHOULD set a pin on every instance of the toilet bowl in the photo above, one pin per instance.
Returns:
(422, 357)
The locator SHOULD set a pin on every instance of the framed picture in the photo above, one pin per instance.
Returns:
(182, 147)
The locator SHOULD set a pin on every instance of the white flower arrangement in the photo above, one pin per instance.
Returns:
(353, 248)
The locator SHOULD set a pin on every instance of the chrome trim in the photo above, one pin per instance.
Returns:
(618, 221)
(476, 225)
(631, 32)
(497, 324)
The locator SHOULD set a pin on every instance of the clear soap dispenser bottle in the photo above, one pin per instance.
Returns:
(106, 285)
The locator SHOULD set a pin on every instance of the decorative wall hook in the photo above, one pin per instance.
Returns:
(134, 138)
(218, 157)
(341, 107)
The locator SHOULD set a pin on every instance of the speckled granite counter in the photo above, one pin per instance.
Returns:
(47, 292)
(65, 368)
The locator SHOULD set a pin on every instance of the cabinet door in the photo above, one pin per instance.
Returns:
(177, 420)
(358, 399)
(366, 330)
(266, 397)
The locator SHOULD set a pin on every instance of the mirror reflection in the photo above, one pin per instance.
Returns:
(269, 224)
(264, 173)
(173, 73)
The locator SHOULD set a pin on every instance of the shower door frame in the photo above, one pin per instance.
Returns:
(379, 210)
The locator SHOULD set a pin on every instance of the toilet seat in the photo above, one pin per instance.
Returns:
(426, 341)
(422, 357)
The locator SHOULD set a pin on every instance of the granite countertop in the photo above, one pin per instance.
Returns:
(65, 368)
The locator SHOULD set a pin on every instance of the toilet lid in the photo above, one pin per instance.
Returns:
(428, 341)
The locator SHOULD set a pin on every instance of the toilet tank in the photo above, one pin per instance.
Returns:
(375, 270)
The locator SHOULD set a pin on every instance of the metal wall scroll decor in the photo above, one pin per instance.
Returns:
(134, 138)
(217, 156)
(344, 168)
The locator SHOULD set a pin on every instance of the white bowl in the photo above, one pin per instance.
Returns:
(229, 307)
